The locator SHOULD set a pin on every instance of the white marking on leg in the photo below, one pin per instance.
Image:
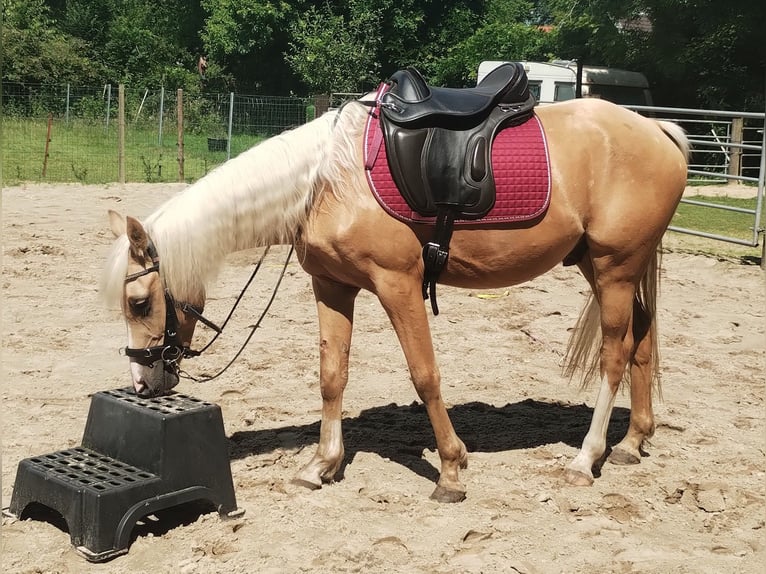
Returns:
(594, 444)
(332, 440)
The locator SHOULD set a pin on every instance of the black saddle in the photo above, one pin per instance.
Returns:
(413, 104)
(439, 143)
(439, 140)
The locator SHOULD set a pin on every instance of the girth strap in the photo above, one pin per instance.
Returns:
(436, 253)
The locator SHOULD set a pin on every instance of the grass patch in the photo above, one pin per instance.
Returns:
(719, 222)
(86, 152)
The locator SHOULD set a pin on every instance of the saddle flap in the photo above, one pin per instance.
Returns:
(411, 144)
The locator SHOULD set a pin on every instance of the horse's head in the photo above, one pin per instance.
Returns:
(159, 330)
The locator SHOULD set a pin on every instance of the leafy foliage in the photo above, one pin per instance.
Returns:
(34, 49)
(334, 52)
(694, 52)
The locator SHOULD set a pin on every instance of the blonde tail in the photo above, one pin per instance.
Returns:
(584, 346)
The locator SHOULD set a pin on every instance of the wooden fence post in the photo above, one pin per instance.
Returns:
(321, 104)
(180, 118)
(47, 144)
(735, 160)
(121, 133)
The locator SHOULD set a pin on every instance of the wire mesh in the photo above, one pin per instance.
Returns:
(71, 133)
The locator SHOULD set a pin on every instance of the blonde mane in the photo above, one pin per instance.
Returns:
(261, 197)
(340, 170)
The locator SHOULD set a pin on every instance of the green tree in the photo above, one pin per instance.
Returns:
(506, 31)
(249, 38)
(707, 54)
(331, 52)
(149, 42)
(696, 53)
(36, 51)
(353, 45)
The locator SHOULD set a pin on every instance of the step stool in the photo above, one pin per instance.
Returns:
(138, 456)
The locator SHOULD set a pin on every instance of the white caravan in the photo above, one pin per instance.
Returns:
(555, 82)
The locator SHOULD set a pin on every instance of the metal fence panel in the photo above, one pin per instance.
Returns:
(70, 134)
(726, 147)
(83, 126)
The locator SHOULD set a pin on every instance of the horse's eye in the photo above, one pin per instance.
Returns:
(139, 307)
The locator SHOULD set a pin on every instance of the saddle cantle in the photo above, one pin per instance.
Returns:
(439, 148)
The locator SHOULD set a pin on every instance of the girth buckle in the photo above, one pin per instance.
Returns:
(434, 255)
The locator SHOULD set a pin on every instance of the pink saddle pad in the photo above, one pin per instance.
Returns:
(519, 163)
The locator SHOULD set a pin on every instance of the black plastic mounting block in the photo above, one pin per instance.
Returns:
(138, 456)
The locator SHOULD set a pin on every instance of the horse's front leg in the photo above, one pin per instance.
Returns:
(401, 297)
(335, 307)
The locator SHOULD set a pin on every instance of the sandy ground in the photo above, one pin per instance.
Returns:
(732, 189)
(695, 504)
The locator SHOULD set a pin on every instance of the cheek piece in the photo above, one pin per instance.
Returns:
(171, 351)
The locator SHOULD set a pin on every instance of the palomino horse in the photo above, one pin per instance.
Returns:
(616, 176)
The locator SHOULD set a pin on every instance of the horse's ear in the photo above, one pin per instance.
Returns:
(116, 223)
(136, 236)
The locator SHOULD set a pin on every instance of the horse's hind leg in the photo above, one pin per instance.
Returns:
(628, 451)
(615, 290)
(335, 307)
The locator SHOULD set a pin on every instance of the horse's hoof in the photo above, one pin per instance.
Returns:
(622, 457)
(441, 494)
(577, 478)
(306, 483)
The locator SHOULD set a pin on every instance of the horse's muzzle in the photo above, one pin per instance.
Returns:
(155, 379)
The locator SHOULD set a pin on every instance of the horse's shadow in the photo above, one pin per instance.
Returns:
(401, 432)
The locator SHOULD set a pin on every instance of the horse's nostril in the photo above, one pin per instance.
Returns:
(143, 391)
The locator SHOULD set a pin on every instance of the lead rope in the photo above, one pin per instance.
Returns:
(253, 327)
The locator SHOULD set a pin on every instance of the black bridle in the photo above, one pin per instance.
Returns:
(173, 350)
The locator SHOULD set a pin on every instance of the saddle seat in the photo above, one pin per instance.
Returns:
(413, 104)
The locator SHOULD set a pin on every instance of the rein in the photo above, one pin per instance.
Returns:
(218, 330)
(172, 351)
(253, 328)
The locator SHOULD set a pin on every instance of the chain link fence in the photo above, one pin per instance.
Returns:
(72, 133)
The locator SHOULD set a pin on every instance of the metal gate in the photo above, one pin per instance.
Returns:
(726, 146)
